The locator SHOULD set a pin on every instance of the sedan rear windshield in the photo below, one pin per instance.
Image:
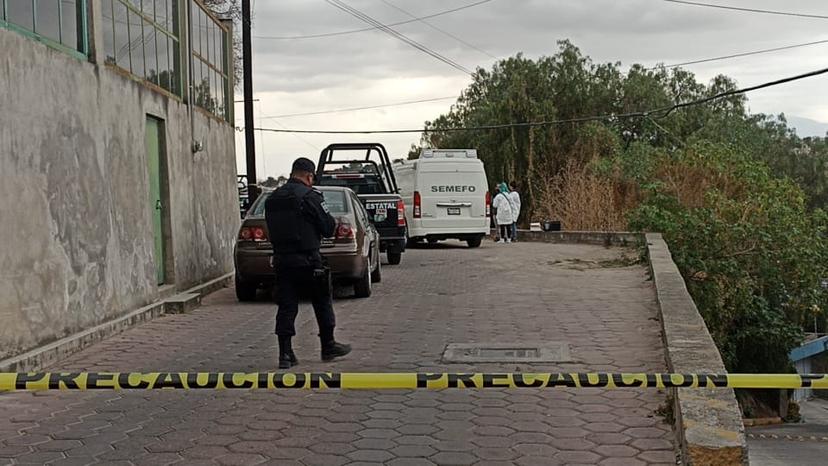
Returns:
(335, 200)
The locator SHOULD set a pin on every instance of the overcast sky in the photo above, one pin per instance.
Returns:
(372, 68)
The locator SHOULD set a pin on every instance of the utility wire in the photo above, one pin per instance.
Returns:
(397, 35)
(749, 10)
(744, 54)
(657, 113)
(445, 12)
(300, 138)
(435, 99)
(353, 31)
(440, 30)
(353, 109)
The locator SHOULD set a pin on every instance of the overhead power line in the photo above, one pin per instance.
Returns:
(661, 112)
(744, 54)
(353, 109)
(749, 10)
(354, 31)
(440, 30)
(397, 35)
(435, 99)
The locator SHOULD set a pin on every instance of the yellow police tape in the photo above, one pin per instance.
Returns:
(382, 381)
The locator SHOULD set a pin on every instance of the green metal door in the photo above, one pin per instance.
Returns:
(154, 157)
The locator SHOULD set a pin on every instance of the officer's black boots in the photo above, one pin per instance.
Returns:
(286, 357)
(333, 350)
(330, 351)
(330, 348)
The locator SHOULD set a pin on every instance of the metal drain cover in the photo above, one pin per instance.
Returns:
(506, 352)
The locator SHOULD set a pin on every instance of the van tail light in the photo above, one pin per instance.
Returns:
(418, 205)
(257, 234)
(344, 230)
(488, 204)
(400, 213)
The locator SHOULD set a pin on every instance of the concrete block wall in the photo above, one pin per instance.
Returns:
(77, 243)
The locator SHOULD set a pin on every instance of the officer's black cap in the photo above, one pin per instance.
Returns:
(303, 165)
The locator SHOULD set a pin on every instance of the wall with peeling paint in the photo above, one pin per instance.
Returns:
(76, 240)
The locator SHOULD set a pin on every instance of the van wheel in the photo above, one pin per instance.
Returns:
(474, 242)
(362, 288)
(245, 291)
(394, 258)
(376, 275)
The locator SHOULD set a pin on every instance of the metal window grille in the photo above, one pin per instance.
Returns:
(210, 67)
(60, 24)
(143, 38)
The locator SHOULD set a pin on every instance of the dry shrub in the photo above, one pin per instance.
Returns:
(691, 183)
(584, 201)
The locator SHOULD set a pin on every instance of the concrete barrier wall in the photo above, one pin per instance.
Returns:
(604, 238)
(707, 422)
(77, 239)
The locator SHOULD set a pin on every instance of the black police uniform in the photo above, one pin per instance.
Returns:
(297, 219)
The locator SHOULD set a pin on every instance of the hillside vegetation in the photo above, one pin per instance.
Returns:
(738, 196)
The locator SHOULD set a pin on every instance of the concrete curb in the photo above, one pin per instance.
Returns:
(708, 422)
(52, 353)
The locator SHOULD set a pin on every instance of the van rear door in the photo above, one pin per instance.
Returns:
(452, 196)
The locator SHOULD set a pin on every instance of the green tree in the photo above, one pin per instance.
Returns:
(750, 252)
(737, 195)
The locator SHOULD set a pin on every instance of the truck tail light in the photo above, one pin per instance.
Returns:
(418, 205)
(400, 213)
(257, 234)
(344, 230)
(488, 204)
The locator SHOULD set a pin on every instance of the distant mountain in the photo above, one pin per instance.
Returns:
(806, 127)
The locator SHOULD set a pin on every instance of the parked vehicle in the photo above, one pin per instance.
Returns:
(447, 196)
(353, 253)
(374, 185)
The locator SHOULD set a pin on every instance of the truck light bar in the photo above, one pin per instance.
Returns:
(347, 177)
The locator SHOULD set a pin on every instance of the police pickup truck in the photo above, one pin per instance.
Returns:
(374, 185)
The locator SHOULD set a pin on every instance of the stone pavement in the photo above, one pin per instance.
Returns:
(576, 294)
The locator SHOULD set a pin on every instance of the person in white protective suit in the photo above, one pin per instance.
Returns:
(514, 201)
(504, 216)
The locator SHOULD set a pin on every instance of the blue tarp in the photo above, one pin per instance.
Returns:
(809, 349)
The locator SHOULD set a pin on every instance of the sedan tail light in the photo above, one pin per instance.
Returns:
(344, 230)
(257, 234)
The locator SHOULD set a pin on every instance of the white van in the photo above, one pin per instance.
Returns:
(446, 196)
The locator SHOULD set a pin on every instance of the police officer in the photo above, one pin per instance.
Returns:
(297, 219)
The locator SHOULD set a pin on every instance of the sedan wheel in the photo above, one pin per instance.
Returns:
(376, 275)
(245, 291)
(362, 288)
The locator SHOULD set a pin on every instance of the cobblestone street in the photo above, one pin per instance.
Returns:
(585, 296)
